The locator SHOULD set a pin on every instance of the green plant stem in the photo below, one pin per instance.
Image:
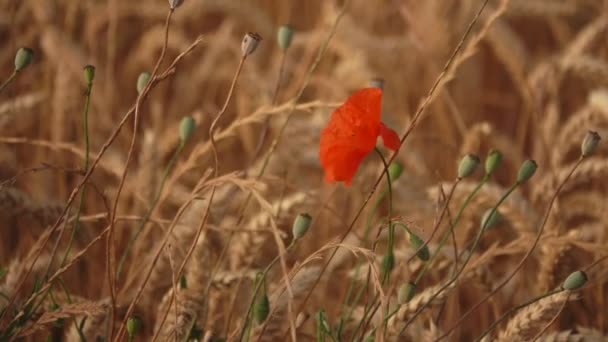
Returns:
(258, 285)
(453, 225)
(8, 81)
(391, 229)
(513, 309)
(148, 213)
(85, 169)
(468, 258)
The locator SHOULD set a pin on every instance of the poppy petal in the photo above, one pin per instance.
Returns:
(341, 162)
(389, 137)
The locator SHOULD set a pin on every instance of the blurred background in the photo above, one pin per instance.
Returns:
(530, 81)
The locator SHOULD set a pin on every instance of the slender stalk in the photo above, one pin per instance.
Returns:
(85, 168)
(150, 210)
(110, 245)
(8, 81)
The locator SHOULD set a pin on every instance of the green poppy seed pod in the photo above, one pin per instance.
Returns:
(285, 36)
(589, 143)
(468, 165)
(133, 326)
(377, 83)
(142, 81)
(526, 171)
(175, 3)
(186, 129)
(575, 280)
(394, 171)
(301, 225)
(416, 243)
(406, 292)
(23, 58)
(249, 43)
(183, 282)
(490, 218)
(261, 308)
(493, 161)
(89, 73)
(388, 263)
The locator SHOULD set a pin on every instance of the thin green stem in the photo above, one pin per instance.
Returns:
(468, 258)
(8, 81)
(85, 169)
(257, 289)
(148, 213)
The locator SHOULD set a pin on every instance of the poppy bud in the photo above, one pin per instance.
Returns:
(394, 171)
(493, 161)
(526, 171)
(175, 3)
(416, 243)
(301, 225)
(142, 81)
(261, 308)
(406, 292)
(575, 280)
(183, 282)
(250, 43)
(23, 58)
(490, 218)
(186, 129)
(89, 73)
(377, 83)
(285, 36)
(322, 325)
(589, 143)
(468, 165)
(133, 326)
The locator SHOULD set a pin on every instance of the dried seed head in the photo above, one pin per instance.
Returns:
(590, 143)
(261, 308)
(23, 58)
(416, 243)
(133, 325)
(285, 36)
(301, 225)
(377, 83)
(89, 73)
(490, 218)
(526, 171)
(186, 129)
(406, 292)
(175, 3)
(250, 43)
(493, 161)
(575, 280)
(142, 81)
(394, 171)
(468, 165)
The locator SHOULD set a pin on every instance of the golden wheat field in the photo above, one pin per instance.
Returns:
(173, 170)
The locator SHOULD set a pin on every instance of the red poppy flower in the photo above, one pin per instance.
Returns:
(351, 135)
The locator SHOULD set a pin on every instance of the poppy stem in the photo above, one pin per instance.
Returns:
(391, 230)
